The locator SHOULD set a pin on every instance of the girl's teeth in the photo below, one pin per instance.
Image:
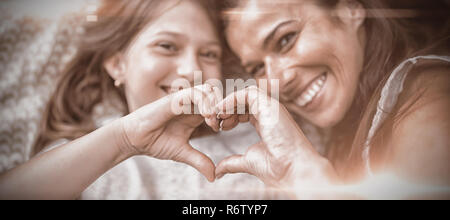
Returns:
(311, 92)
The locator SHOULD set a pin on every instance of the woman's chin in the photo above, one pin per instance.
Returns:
(321, 119)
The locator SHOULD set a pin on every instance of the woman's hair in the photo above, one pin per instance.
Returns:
(390, 40)
(85, 82)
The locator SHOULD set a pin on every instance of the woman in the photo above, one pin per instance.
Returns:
(135, 51)
(344, 66)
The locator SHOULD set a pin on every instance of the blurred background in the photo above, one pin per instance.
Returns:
(37, 39)
(49, 9)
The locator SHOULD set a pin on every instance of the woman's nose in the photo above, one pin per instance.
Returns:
(276, 71)
(287, 76)
(269, 68)
(284, 78)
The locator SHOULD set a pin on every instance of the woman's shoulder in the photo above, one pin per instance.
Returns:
(427, 83)
(419, 142)
(435, 72)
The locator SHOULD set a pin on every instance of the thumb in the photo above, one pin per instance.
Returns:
(196, 159)
(249, 163)
(232, 164)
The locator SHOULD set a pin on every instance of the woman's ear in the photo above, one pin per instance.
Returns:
(352, 13)
(115, 66)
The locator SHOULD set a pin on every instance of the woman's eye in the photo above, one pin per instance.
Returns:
(211, 55)
(258, 70)
(286, 40)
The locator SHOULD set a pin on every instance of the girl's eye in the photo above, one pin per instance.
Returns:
(258, 70)
(286, 40)
(168, 46)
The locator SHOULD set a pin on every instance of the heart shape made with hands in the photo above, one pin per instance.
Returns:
(162, 130)
(278, 131)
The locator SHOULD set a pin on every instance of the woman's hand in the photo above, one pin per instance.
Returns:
(284, 158)
(163, 128)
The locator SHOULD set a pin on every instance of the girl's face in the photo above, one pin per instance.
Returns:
(317, 54)
(180, 41)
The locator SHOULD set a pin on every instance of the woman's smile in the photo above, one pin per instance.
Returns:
(310, 95)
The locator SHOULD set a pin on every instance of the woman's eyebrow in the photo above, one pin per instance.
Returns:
(274, 31)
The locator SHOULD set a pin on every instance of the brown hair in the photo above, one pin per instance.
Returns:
(390, 40)
(85, 82)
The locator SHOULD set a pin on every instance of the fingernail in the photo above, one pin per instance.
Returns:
(221, 125)
(218, 116)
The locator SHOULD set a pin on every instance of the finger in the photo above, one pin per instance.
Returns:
(218, 97)
(181, 102)
(202, 99)
(198, 160)
(237, 110)
(222, 115)
(232, 164)
(230, 123)
(254, 122)
(161, 110)
(229, 105)
(214, 95)
(252, 162)
(244, 118)
(246, 97)
(213, 123)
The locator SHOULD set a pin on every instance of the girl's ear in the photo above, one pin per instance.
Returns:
(115, 67)
(352, 13)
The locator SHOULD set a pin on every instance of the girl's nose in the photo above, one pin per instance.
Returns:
(189, 68)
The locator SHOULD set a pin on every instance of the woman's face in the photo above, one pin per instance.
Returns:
(180, 41)
(317, 54)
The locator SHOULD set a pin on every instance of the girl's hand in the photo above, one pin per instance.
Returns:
(284, 157)
(163, 128)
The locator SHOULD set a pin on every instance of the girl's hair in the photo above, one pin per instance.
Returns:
(85, 82)
(390, 40)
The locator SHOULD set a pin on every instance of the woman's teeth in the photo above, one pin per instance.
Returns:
(311, 92)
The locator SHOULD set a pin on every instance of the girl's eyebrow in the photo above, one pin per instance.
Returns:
(274, 31)
(180, 35)
(170, 33)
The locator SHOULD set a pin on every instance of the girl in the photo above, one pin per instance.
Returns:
(132, 54)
